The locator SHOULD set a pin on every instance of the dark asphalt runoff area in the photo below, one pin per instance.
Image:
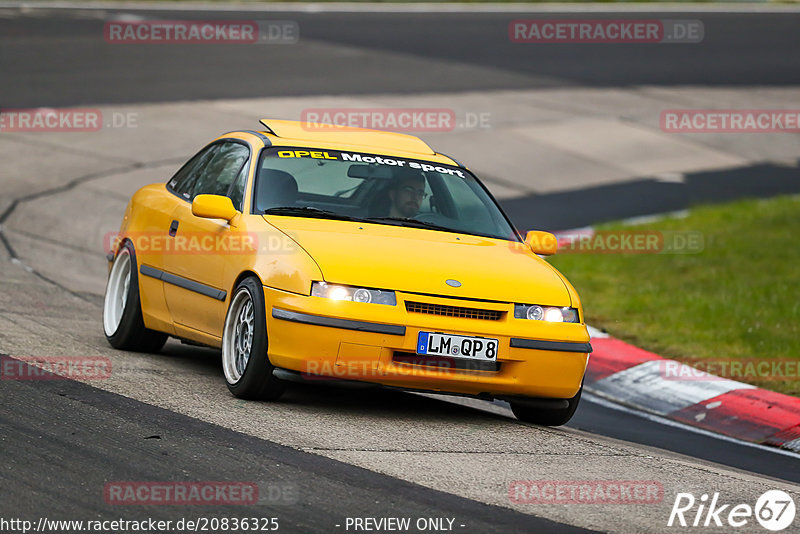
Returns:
(68, 439)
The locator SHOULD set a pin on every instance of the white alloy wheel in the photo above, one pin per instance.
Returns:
(117, 289)
(237, 336)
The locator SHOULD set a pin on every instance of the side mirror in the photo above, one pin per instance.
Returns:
(213, 207)
(543, 243)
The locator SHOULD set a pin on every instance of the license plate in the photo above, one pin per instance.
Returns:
(473, 348)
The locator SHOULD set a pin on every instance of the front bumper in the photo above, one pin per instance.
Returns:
(376, 343)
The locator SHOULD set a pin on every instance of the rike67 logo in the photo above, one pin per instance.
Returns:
(774, 510)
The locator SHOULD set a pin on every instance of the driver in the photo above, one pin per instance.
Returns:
(407, 193)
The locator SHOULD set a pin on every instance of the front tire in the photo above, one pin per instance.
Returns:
(248, 371)
(546, 417)
(122, 308)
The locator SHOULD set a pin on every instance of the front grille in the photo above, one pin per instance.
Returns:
(453, 311)
(445, 362)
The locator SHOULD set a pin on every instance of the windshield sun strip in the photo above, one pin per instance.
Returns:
(271, 151)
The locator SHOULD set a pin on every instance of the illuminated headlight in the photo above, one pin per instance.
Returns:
(354, 294)
(550, 314)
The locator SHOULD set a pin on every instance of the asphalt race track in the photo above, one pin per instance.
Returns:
(323, 455)
(464, 52)
(163, 445)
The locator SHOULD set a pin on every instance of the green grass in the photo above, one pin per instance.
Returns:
(737, 299)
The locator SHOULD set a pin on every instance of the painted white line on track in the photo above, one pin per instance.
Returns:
(126, 17)
(656, 217)
(591, 397)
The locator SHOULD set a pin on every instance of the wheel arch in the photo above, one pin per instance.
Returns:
(242, 275)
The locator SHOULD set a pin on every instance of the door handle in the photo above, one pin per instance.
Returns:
(173, 228)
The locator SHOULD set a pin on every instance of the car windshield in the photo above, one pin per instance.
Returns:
(310, 182)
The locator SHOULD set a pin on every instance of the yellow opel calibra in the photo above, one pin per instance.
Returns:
(316, 252)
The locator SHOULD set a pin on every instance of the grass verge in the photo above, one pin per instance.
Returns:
(736, 301)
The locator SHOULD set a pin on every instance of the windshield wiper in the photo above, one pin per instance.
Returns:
(408, 221)
(306, 211)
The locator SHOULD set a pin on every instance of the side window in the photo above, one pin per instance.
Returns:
(237, 191)
(184, 180)
(221, 171)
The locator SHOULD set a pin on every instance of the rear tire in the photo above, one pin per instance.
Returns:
(122, 308)
(546, 417)
(248, 371)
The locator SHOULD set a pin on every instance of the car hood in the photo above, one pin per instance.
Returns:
(420, 261)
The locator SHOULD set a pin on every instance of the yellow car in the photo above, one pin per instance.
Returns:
(315, 252)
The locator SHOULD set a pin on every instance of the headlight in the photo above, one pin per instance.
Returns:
(354, 294)
(550, 314)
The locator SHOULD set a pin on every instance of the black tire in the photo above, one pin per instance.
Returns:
(538, 415)
(256, 380)
(130, 333)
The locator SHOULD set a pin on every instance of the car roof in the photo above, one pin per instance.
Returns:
(329, 133)
(312, 135)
